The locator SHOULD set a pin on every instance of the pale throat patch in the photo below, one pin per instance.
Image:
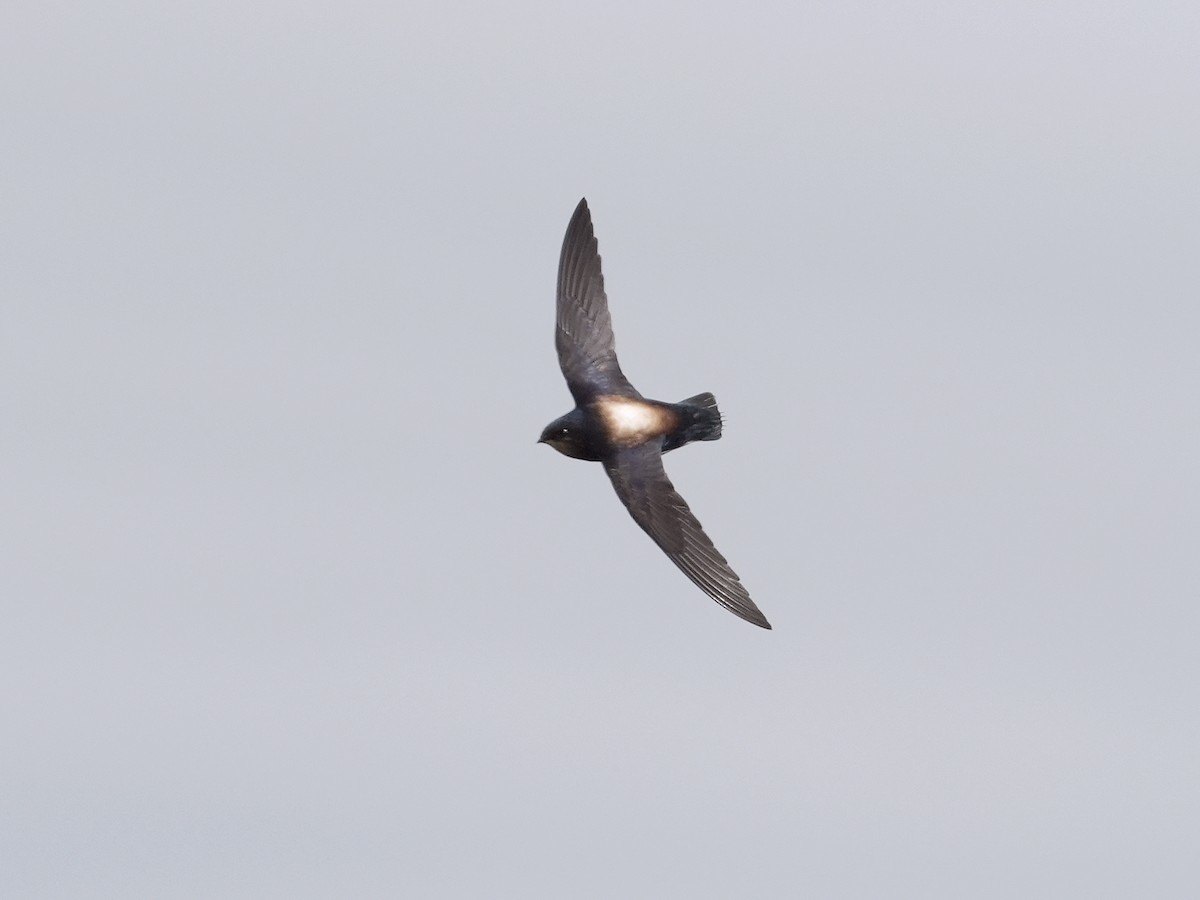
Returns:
(632, 421)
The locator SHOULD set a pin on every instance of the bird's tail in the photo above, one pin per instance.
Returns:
(705, 424)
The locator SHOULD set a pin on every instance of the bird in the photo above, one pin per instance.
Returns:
(613, 424)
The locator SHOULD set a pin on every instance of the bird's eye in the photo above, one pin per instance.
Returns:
(566, 431)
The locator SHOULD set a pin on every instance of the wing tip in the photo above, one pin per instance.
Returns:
(581, 222)
(754, 616)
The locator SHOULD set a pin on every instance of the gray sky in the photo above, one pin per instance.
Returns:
(293, 605)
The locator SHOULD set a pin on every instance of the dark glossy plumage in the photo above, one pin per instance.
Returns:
(587, 352)
(642, 484)
(612, 423)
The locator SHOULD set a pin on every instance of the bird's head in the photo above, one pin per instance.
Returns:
(565, 435)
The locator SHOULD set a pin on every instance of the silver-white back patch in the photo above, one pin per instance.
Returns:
(630, 422)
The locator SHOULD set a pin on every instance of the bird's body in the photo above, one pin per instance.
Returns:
(612, 423)
(596, 430)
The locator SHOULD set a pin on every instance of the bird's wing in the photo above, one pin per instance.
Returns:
(641, 482)
(584, 336)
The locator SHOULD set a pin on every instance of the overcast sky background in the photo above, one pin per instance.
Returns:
(293, 606)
